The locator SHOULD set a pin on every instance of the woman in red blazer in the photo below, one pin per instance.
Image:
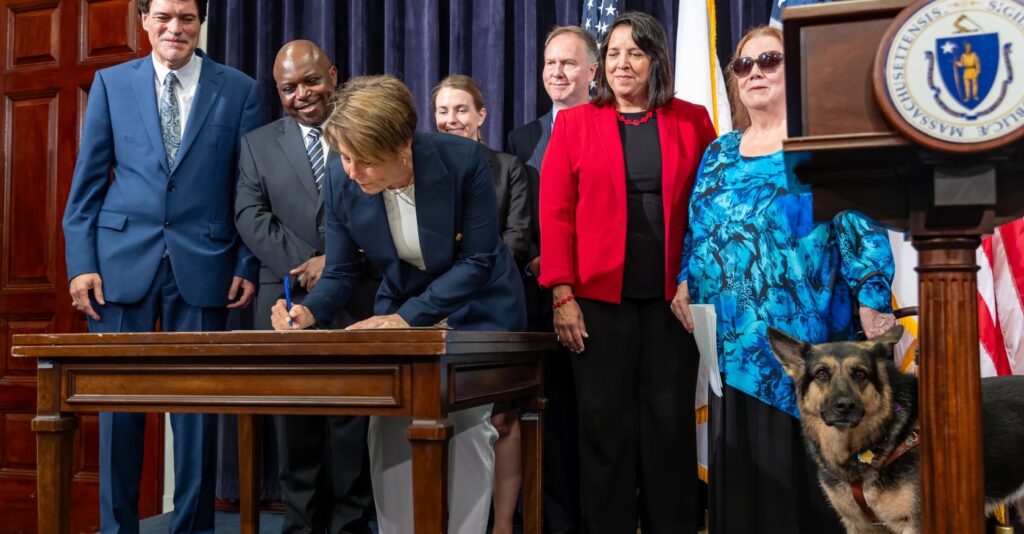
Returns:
(614, 189)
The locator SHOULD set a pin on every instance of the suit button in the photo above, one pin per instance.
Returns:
(170, 187)
(167, 224)
(320, 229)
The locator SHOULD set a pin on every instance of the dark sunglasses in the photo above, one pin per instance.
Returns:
(768, 62)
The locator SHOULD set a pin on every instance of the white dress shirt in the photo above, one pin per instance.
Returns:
(188, 81)
(404, 229)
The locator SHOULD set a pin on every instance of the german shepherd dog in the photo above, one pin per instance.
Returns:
(859, 414)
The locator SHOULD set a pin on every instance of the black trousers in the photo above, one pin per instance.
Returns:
(762, 480)
(635, 387)
(323, 462)
(561, 451)
(324, 473)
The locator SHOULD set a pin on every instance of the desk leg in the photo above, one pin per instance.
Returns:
(55, 431)
(429, 441)
(249, 439)
(54, 435)
(533, 479)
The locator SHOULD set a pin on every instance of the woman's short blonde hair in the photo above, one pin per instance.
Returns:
(740, 115)
(373, 118)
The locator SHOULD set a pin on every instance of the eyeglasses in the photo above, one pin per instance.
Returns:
(768, 62)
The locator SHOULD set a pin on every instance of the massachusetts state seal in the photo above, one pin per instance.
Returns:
(950, 73)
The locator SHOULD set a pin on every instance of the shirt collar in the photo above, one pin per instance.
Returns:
(305, 130)
(185, 74)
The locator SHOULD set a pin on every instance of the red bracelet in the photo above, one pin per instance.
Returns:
(563, 301)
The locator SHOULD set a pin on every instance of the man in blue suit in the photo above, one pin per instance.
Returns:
(157, 242)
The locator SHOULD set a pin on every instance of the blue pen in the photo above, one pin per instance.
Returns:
(288, 299)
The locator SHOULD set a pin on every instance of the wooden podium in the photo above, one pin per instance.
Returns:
(422, 373)
(843, 144)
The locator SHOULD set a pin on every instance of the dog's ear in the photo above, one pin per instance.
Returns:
(889, 339)
(789, 351)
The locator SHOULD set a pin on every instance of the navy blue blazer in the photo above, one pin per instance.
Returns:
(120, 228)
(470, 276)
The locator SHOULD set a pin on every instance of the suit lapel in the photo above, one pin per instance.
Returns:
(211, 78)
(669, 134)
(435, 205)
(144, 87)
(332, 156)
(609, 147)
(290, 139)
(545, 134)
(537, 157)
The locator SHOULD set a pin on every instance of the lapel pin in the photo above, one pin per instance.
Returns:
(458, 236)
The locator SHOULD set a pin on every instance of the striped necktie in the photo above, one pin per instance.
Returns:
(170, 118)
(315, 151)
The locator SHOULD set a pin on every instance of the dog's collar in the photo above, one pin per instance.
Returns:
(868, 457)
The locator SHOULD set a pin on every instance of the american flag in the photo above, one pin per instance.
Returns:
(1000, 300)
(598, 16)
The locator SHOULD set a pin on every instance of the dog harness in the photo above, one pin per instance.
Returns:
(868, 457)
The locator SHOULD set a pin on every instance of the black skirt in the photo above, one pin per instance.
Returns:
(761, 479)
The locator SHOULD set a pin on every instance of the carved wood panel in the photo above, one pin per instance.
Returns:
(34, 32)
(99, 38)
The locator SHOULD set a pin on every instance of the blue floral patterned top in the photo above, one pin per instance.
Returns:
(754, 252)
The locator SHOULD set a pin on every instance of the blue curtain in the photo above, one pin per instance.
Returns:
(734, 18)
(497, 42)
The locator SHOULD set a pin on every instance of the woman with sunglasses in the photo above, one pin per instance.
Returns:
(754, 252)
(614, 185)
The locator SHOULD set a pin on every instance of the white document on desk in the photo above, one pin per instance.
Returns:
(705, 331)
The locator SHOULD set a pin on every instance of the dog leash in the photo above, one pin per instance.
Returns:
(868, 457)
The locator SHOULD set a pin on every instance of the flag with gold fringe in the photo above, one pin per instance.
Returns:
(698, 79)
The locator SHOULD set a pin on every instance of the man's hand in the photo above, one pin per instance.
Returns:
(300, 316)
(534, 266)
(248, 290)
(681, 307)
(79, 289)
(309, 272)
(380, 321)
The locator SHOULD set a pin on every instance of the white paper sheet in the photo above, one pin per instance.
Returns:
(705, 332)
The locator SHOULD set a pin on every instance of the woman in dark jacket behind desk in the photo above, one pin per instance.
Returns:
(614, 188)
(393, 196)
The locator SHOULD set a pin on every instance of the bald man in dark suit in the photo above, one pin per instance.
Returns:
(279, 214)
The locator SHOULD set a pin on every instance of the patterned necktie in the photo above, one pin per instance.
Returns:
(170, 118)
(315, 151)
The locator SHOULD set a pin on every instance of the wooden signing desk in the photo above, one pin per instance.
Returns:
(423, 373)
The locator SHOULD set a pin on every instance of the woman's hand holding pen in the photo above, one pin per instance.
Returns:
(299, 315)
